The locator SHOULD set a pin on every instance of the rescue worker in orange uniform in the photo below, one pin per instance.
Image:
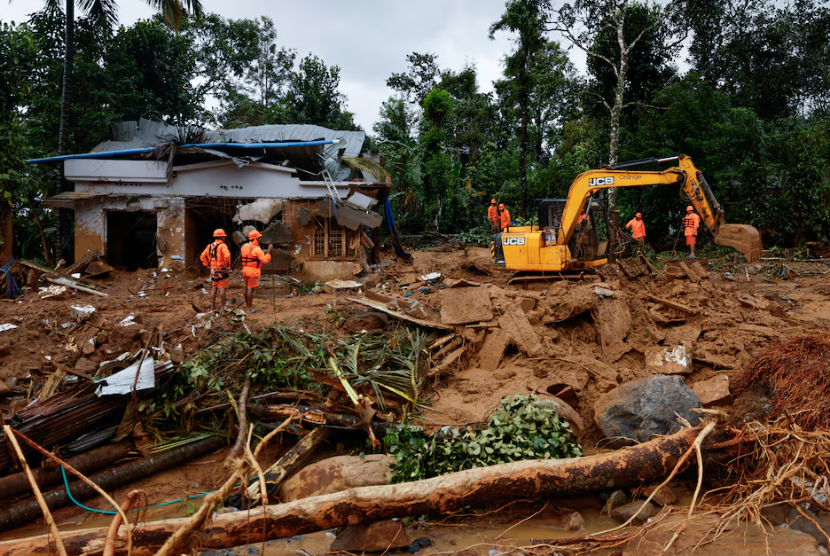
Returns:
(252, 260)
(217, 257)
(493, 216)
(691, 222)
(637, 227)
(504, 218)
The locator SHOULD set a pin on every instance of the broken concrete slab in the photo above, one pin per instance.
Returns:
(686, 335)
(668, 361)
(495, 344)
(523, 334)
(304, 216)
(261, 210)
(81, 312)
(714, 391)
(276, 233)
(98, 268)
(465, 305)
(247, 230)
(325, 207)
(352, 218)
(334, 286)
(383, 308)
(360, 201)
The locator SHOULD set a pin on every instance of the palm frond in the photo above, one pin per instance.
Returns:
(173, 10)
(367, 165)
(103, 11)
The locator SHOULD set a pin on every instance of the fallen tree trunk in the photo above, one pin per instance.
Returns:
(93, 460)
(475, 487)
(17, 515)
(314, 416)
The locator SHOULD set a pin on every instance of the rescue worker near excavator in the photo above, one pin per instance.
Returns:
(504, 218)
(691, 223)
(493, 216)
(637, 227)
(217, 257)
(252, 260)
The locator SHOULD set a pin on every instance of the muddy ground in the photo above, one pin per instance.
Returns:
(574, 341)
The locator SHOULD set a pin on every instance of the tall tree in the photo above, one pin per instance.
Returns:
(583, 22)
(416, 83)
(528, 18)
(313, 97)
(105, 10)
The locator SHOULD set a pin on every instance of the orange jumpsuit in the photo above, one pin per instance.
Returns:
(638, 229)
(505, 219)
(691, 222)
(253, 257)
(493, 215)
(217, 257)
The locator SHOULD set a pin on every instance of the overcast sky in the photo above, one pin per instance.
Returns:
(368, 39)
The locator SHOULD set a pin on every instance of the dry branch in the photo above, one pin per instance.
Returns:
(526, 479)
(243, 424)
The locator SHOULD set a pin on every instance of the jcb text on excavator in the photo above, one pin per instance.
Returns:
(576, 233)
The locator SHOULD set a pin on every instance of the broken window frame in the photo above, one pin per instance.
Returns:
(348, 241)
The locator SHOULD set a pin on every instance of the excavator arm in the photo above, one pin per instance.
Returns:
(744, 238)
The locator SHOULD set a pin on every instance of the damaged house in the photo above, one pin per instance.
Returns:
(153, 196)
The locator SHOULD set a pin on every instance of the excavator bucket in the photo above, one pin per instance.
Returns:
(742, 237)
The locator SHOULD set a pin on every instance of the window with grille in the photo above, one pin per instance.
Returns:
(331, 240)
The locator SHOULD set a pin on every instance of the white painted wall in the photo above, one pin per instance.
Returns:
(130, 177)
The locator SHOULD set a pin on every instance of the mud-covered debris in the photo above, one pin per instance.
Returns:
(612, 320)
(713, 391)
(53, 292)
(522, 332)
(627, 511)
(495, 344)
(337, 474)
(379, 536)
(664, 497)
(81, 313)
(7, 326)
(668, 360)
(465, 305)
(122, 382)
(334, 286)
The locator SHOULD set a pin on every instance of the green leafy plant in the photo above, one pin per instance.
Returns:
(522, 428)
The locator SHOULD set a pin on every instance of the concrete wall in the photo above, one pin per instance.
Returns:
(91, 225)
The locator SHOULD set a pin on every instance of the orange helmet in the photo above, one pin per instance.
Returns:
(501, 206)
(253, 234)
(492, 201)
(219, 232)
(690, 208)
(639, 215)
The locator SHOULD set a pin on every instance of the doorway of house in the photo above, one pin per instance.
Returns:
(201, 218)
(131, 239)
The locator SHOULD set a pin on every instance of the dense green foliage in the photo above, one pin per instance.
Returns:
(751, 106)
(522, 428)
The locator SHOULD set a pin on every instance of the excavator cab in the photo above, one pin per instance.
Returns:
(590, 240)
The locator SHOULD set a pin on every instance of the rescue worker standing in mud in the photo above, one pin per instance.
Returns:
(637, 227)
(493, 216)
(504, 218)
(217, 257)
(691, 222)
(252, 260)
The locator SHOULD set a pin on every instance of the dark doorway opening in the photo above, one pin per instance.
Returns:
(131, 239)
(202, 217)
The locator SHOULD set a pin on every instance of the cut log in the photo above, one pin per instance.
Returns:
(672, 304)
(17, 515)
(17, 484)
(638, 465)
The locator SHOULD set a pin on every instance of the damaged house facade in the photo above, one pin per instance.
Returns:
(153, 196)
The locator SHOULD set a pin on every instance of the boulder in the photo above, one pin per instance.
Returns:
(623, 513)
(379, 536)
(664, 497)
(641, 409)
(335, 474)
(713, 391)
(615, 500)
(811, 525)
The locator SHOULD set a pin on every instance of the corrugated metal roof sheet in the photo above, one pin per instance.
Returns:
(147, 133)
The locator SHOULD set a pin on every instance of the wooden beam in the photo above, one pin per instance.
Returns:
(672, 304)
(403, 316)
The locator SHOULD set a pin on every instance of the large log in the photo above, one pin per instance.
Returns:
(17, 515)
(93, 460)
(636, 465)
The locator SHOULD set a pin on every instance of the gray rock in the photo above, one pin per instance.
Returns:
(624, 512)
(800, 523)
(639, 410)
(618, 498)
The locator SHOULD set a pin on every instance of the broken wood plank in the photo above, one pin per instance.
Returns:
(445, 365)
(79, 266)
(693, 276)
(672, 304)
(49, 272)
(403, 316)
(629, 467)
(72, 284)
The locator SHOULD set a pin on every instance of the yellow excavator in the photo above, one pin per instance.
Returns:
(576, 233)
